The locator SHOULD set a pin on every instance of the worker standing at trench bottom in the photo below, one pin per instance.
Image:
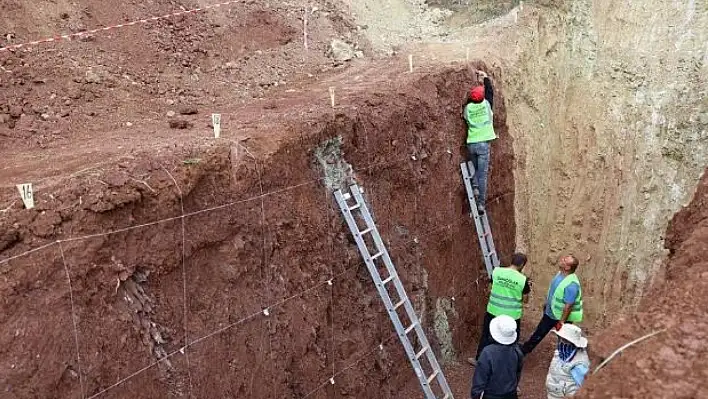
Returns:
(564, 303)
(510, 291)
(478, 114)
(499, 370)
(570, 363)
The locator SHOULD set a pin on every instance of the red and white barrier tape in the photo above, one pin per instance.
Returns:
(71, 36)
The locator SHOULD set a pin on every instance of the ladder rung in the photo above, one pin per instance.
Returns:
(357, 206)
(432, 376)
(378, 255)
(366, 230)
(399, 304)
(419, 354)
(412, 326)
(388, 280)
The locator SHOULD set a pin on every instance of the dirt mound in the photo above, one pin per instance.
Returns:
(671, 364)
(57, 92)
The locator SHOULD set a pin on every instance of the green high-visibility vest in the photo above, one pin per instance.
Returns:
(507, 293)
(479, 122)
(576, 312)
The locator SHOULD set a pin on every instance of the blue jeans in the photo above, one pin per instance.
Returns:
(479, 155)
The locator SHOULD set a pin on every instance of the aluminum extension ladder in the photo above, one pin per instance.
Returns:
(366, 236)
(484, 231)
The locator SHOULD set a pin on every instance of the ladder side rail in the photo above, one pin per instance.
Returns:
(410, 311)
(380, 246)
(479, 225)
(490, 242)
(383, 293)
(485, 222)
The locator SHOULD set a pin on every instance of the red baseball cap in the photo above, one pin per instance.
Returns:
(477, 94)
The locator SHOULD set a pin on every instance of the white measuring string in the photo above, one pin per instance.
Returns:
(184, 279)
(73, 321)
(358, 360)
(219, 331)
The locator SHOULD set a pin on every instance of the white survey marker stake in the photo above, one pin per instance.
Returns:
(216, 121)
(331, 95)
(27, 194)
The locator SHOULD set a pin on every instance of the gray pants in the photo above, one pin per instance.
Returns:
(479, 154)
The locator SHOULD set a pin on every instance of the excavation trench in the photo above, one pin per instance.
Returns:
(261, 231)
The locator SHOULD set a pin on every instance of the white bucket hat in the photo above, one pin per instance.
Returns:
(503, 329)
(572, 334)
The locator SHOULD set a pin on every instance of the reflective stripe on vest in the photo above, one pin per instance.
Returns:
(507, 293)
(576, 311)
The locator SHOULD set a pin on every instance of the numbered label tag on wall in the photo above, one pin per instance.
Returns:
(216, 122)
(27, 194)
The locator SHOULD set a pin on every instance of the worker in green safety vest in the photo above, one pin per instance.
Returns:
(510, 290)
(564, 303)
(478, 114)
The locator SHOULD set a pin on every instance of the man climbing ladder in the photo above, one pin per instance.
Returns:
(478, 114)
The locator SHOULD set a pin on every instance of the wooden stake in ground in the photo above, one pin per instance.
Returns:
(410, 63)
(216, 122)
(331, 95)
(26, 194)
(467, 54)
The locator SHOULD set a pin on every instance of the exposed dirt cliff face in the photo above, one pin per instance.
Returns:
(261, 230)
(609, 114)
(669, 365)
(605, 102)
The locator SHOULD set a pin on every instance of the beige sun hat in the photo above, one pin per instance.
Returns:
(503, 329)
(572, 334)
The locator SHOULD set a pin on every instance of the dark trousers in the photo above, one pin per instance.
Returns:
(512, 395)
(486, 337)
(544, 327)
(509, 396)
